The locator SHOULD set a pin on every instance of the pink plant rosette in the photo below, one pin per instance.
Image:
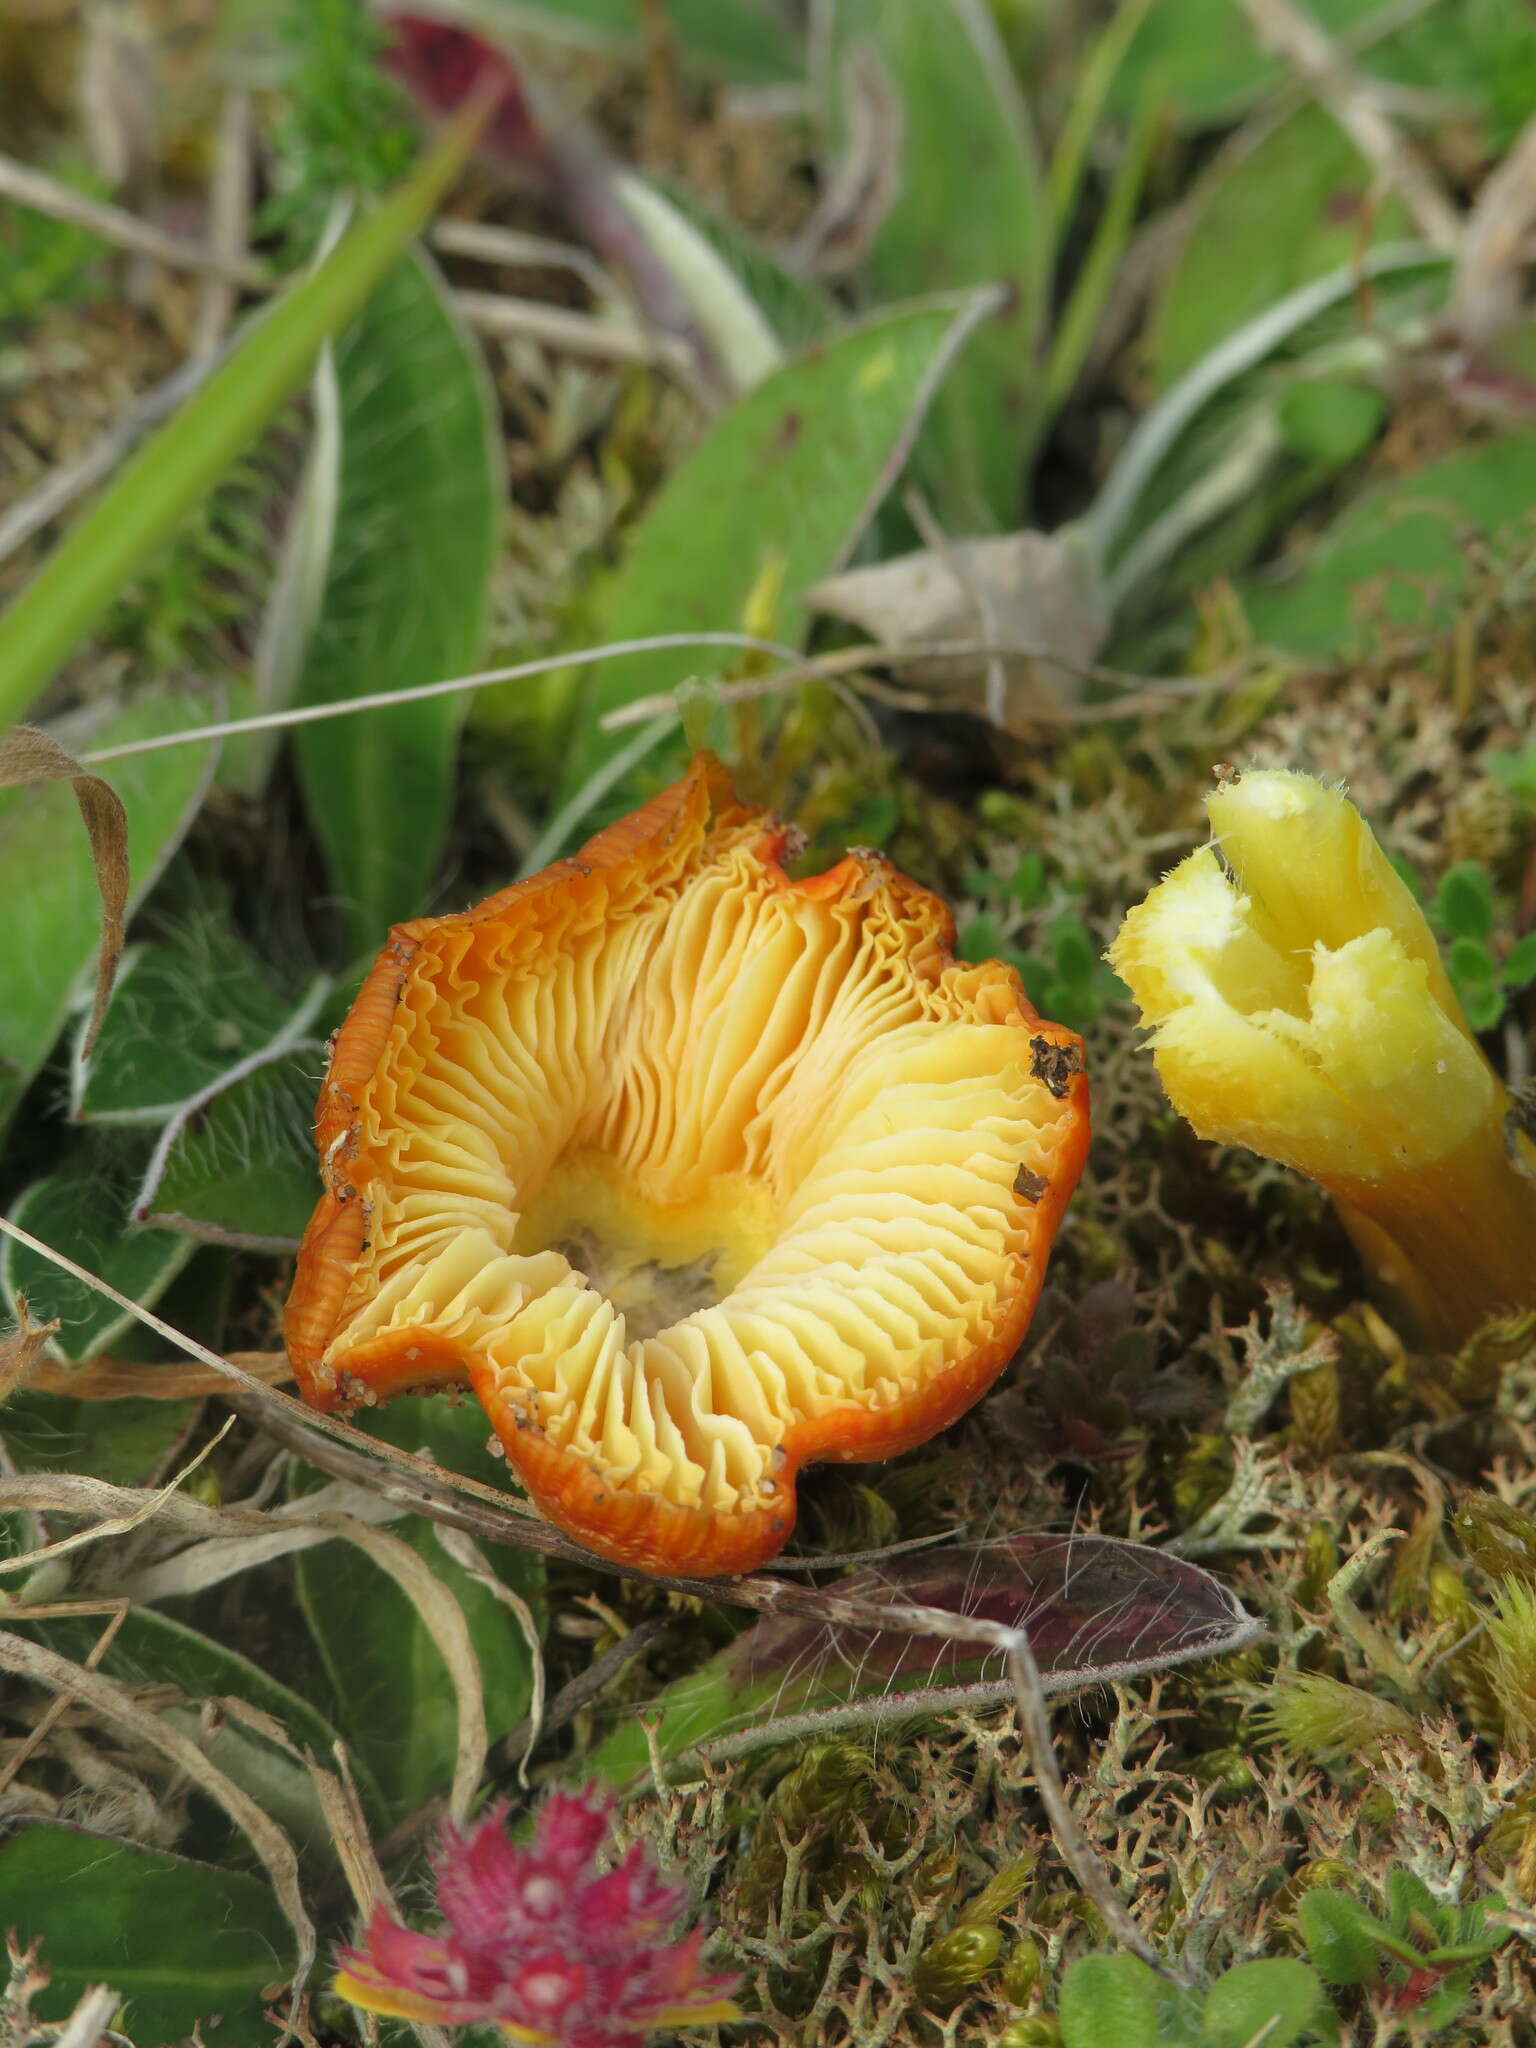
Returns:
(540, 1943)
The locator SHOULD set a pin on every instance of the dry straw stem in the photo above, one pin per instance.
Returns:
(1299, 1006)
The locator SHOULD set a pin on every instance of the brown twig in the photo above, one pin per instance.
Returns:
(124, 230)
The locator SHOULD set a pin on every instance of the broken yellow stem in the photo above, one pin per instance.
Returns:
(1300, 1007)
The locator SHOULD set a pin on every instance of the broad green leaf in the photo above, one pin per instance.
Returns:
(1398, 551)
(417, 524)
(188, 1005)
(1325, 419)
(1281, 213)
(1464, 900)
(186, 1944)
(1340, 1936)
(747, 41)
(970, 210)
(48, 884)
(773, 498)
(1208, 59)
(180, 464)
(393, 1697)
(1270, 2001)
(1215, 67)
(126, 1442)
(1119, 2002)
(83, 1210)
(236, 1165)
(152, 1649)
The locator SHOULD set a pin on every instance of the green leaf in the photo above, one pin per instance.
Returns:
(1270, 2001)
(1327, 420)
(125, 1442)
(1205, 474)
(745, 41)
(187, 1006)
(185, 1943)
(970, 209)
(773, 498)
(1341, 1937)
(236, 1164)
(981, 938)
(1119, 2002)
(1208, 58)
(1517, 772)
(406, 595)
(48, 882)
(1027, 884)
(1406, 540)
(1261, 223)
(393, 1697)
(1520, 962)
(179, 466)
(1464, 901)
(83, 1211)
(1073, 948)
(1409, 1899)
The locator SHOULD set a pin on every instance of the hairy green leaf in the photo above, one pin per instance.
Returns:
(406, 595)
(236, 1165)
(188, 1005)
(83, 1211)
(1119, 2002)
(1271, 2001)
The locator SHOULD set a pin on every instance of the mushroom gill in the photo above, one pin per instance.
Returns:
(691, 1171)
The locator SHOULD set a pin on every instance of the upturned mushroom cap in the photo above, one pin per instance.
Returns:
(692, 1172)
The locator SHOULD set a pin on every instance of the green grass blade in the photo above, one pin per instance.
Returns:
(187, 457)
(1080, 317)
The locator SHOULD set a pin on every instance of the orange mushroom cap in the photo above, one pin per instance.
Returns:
(691, 1171)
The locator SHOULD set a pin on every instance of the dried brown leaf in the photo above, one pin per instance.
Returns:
(1019, 590)
(28, 756)
(21, 1352)
(105, 1378)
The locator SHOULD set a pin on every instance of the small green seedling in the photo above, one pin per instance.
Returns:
(1119, 2002)
(1516, 771)
(1068, 981)
(1464, 910)
(1418, 1956)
